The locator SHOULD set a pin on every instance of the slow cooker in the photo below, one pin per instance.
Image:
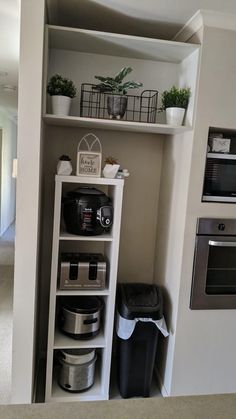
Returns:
(76, 371)
(80, 317)
(87, 211)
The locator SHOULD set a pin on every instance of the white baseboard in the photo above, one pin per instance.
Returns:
(160, 383)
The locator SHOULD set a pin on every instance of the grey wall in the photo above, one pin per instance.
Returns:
(142, 155)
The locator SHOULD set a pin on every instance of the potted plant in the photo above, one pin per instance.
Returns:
(64, 166)
(117, 99)
(62, 91)
(175, 102)
(111, 167)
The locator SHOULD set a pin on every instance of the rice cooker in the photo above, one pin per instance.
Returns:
(79, 317)
(77, 366)
(87, 211)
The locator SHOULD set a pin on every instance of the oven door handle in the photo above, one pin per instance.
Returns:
(222, 244)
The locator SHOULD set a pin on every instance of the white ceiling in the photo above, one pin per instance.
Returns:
(9, 51)
(158, 18)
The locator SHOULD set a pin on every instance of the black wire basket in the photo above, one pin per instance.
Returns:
(143, 108)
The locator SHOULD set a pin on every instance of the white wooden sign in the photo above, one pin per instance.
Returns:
(89, 161)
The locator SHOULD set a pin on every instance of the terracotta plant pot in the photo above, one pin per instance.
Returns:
(116, 106)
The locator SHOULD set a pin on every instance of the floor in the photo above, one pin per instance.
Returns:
(6, 298)
(196, 407)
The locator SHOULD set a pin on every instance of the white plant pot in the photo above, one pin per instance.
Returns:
(64, 167)
(175, 116)
(110, 170)
(61, 105)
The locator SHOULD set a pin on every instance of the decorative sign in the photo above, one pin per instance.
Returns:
(221, 145)
(88, 160)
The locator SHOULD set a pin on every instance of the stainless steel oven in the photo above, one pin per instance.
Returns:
(214, 269)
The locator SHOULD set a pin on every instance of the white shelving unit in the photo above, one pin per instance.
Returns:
(103, 341)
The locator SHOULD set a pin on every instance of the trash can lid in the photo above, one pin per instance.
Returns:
(140, 300)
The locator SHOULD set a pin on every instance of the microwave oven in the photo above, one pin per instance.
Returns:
(220, 178)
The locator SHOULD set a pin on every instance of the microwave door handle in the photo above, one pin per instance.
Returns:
(222, 244)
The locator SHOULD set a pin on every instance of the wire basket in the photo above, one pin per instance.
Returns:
(143, 108)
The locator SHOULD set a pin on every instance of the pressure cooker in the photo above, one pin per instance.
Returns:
(87, 211)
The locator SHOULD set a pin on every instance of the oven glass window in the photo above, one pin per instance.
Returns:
(220, 177)
(221, 270)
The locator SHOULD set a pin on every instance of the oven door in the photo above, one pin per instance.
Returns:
(214, 273)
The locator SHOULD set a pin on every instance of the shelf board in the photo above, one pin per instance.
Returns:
(94, 393)
(89, 180)
(62, 341)
(221, 156)
(105, 237)
(85, 292)
(120, 45)
(112, 124)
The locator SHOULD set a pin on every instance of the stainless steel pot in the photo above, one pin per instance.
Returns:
(76, 375)
(79, 317)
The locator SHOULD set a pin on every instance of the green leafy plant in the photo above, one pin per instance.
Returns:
(59, 85)
(175, 98)
(115, 84)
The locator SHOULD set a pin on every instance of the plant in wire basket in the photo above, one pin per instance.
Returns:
(117, 90)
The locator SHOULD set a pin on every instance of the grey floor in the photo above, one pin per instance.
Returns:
(6, 298)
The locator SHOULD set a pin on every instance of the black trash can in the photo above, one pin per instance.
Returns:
(136, 355)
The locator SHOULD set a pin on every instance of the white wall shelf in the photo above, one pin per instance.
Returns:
(89, 180)
(111, 124)
(69, 48)
(103, 341)
(65, 342)
(82, 40)
(83, 292)
(106, 237)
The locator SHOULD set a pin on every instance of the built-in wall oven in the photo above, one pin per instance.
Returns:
(214, 268)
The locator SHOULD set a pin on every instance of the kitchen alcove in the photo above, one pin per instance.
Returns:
(79, 55)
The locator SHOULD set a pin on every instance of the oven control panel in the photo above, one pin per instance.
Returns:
(216, 226)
